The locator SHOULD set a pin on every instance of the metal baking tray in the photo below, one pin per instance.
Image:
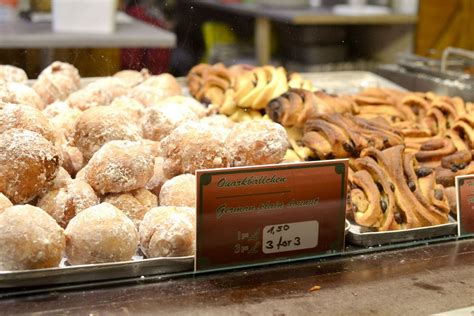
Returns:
(358, 235)
(94, 272)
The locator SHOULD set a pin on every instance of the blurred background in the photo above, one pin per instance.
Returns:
(303, 35)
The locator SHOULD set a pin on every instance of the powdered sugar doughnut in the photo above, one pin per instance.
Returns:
(4, 202)
(64, 203)
(168, 231)
(132, 78)
(63, 118)
(97, 93)
(18, 93)
(182, 101)
(25, 117)
(62, 179)
(152, 147)
(179, 191)
(64, 69)
(159, 120)
(54, 87)
(29, 239)
(134, 204)
(10, 73)
(257, 143)
(156, 89)
(28, 164)
(193, 146)
(134, 108)
(101, 233)
(119, 166)
(158, 178)
(99, 125)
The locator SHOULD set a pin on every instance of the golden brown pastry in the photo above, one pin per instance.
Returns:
(101, 233)
(57, 82)
(64, 203)
(97, 93)
(193, 146)
(10, 73)
(134, 108)
(18, 93)
(119, 166)
(168, 231)
(155, 89)
(99, 125)
(158, 178)
(29, 239)
(257, 143)
(28, 164)
(134, 204)
(132, 78)
(179, 191)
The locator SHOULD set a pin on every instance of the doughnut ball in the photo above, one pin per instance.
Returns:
(56, 108)
(134, 108)
(168, 231)
(158, 178)
(134, 204)
(179, 191)
(193, 146)
(28, 164)
(72, 159)
(187, 102)
(257, 143)
(4, 203)
(63, 118)
(132, 78)
(152, 147)
(29, 239)
(18, 93)
(159, 120)
(64, 203)
(99, 125)
(97, 93)
(156, 89)
(99, 234)
(25, 117)
(54, 86)
(119, 166)
(64, 69)
(10, 73)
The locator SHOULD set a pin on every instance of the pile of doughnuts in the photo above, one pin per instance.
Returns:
(105, 172)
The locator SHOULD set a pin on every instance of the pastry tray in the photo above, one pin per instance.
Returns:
(94, 272)
(357, 235)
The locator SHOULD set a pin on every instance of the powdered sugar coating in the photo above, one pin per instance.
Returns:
(101, 233)
(119, 166)
(64, 69)
(99, 125)
(56, 108)
(62, 179)
(25, 117)
(10, 73)
(64, 123)
(132, 78)
(29, 239)
(72, 159)
(64, 203)
(218, 120)
(187, 102)
(257, 143)
(193, 146)
(54, 87)
(4, 202)
(18, 93)
(134, 204)
(156, 89)
(97, 93)
(179, 191)
(158, 178)
(134, 108)
(28, 164)
(159, 120)
(168, 231)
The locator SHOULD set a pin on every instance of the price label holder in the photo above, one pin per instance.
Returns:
(465, 205)
(270, 213)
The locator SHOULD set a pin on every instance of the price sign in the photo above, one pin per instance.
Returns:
(269, 213)
(465, 204)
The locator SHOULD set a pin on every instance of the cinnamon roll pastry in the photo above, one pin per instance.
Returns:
(417, 105)
(365, 200)
(463, 128)
(413, 212)
(435, 149)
